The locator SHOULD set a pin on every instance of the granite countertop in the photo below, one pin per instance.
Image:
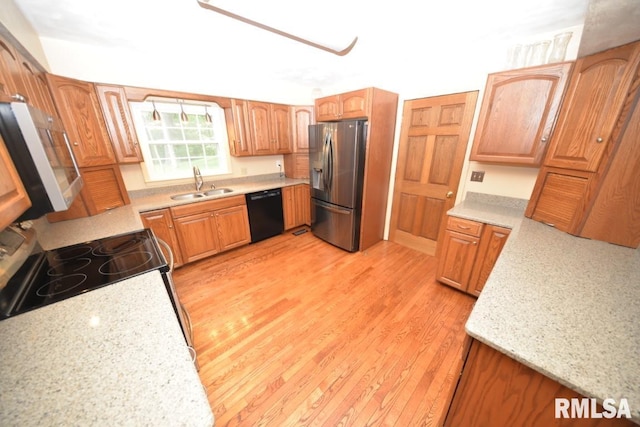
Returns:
(563, 305)
(101, 362)
(127, 218)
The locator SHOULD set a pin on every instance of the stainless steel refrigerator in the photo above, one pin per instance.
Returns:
(336, 171)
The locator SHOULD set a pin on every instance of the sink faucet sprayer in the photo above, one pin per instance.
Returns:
(198, 178)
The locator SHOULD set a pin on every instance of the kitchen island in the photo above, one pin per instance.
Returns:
(567, 307)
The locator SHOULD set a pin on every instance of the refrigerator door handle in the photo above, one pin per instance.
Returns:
(325, 160)
(333, 209)
(329, 173)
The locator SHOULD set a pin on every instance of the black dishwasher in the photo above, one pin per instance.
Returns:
(265, 214)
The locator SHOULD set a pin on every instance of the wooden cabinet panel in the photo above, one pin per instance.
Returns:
(560, 197)
(270, 128)
(518, 114)
(161, 223)
(289, 207)
(354, 105)
(491, 243)
(327, 108)
(79, 109)
(349, 105)
(232, 225)
(197, 236)
(303, 204)
(296, 206)
(238, 129)
(302, 117)
(10, 71)
(281, 128)
(260, 127)
(103, 190)
(13, 196)
(496, 390)
(592, 106)
(119, 122)
(206, 228)
(468, 252)
(456, 259)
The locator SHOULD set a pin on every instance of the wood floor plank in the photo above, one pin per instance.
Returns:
(292, 331)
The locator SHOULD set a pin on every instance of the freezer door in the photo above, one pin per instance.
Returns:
(335, 224)
(336, 159)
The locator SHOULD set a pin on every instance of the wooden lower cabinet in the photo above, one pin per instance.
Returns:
(296, 206)
(161, 223)
(496, 390)
(468, 252)
(206, 228)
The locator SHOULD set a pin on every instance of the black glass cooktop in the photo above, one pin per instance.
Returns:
(52, 276)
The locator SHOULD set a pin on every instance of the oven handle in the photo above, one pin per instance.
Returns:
(169, 251)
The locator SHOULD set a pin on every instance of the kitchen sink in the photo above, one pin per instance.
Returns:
(217, 191)
(198, 195)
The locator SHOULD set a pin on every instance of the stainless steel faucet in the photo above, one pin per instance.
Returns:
(198, 178)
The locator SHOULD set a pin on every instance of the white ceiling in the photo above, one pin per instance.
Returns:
(388, 32)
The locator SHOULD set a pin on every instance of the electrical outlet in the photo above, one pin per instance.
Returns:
(477, 176)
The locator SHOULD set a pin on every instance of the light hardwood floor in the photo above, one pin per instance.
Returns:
(293, 331)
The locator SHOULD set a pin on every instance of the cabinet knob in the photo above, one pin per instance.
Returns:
(449, 194)
(543, 139)
(76, 144)
(475, 242)
(599, 139)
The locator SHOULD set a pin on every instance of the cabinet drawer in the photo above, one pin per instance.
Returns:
(465, 226)
(207, 206)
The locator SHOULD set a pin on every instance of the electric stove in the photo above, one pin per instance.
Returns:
(48, 277)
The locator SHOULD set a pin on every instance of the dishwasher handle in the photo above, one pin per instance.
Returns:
(264, 194)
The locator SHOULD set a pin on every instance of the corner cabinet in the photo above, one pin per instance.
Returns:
(589, 183)
(468, 253)
(161, 223)
(14, 199)
(518, 114)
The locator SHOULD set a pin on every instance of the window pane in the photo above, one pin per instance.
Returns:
(171, 148)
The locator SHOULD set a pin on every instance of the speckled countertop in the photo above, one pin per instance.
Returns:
(101, 362)
(565, 306)
(112, 356)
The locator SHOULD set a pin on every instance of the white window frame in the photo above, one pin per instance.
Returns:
(161, 168)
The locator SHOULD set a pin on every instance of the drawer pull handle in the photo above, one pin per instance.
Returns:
(464, 227)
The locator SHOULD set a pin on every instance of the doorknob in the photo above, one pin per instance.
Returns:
(449, 194)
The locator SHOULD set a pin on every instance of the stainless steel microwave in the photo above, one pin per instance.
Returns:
(41, 152)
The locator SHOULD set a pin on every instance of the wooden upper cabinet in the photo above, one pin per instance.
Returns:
(270, 128)
(238, 128)
(592, 106)
(281, 128)
(13, 197)
(349, 105)
(79, 109)
(301, 118)
(260, 127)
(119, 122)
(518, 114)
(10, 71)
